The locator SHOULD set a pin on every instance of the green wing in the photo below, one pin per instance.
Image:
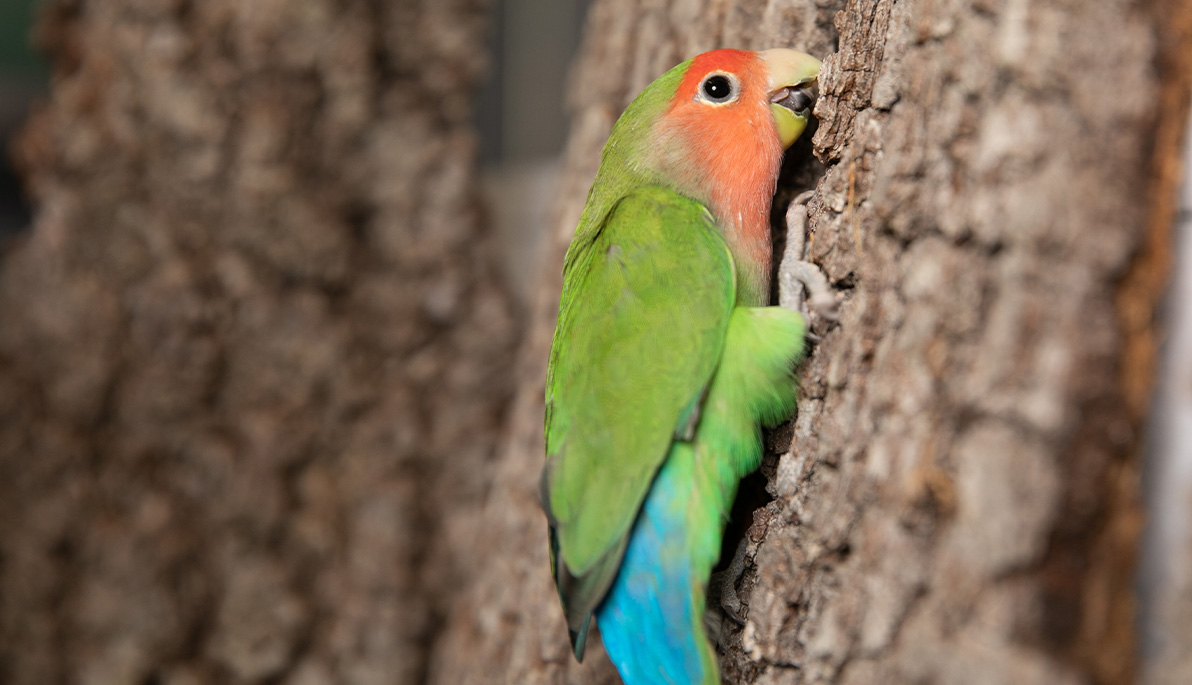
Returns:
(647, 303)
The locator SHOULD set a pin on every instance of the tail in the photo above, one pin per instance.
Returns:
(651, 621)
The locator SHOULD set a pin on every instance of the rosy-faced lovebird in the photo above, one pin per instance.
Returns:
(666, 359)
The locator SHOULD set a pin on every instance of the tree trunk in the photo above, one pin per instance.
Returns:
(959, 502)
(251, 352)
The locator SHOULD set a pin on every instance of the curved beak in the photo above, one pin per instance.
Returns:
(792, 90)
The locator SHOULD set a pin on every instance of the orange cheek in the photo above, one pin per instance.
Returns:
(736, 149)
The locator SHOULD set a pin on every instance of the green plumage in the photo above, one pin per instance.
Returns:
(647, 354)
(658, 378)
(658, 282)
(594, 562)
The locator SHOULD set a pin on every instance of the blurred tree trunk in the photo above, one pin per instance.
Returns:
(959, 503)
(252, 354)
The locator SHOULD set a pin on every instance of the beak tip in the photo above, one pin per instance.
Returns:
(789, 69)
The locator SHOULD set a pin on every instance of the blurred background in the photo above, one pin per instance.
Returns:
(23, 77)
(1166, 565)
(520, 116)
(522, 123)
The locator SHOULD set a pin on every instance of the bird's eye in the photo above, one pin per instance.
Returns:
(718, 89)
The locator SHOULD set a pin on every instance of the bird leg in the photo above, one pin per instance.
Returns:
(802, 286)
(722, 592)
(727, 582)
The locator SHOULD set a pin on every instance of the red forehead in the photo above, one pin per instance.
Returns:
(744, 64)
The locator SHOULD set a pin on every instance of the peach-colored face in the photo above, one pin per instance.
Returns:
(721, 114)
(727, 102)
(723, 107)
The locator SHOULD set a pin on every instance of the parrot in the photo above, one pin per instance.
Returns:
(666, 359)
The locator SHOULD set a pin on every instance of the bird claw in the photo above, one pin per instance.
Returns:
(802, 285)
(724, 585)
(732, 608)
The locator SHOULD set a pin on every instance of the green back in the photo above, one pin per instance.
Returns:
(621, 171)
(629, 367)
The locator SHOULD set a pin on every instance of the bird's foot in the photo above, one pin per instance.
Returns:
(722, 591)
(729, 601)
(802, 285)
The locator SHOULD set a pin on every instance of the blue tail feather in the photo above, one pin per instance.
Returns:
(651, 621)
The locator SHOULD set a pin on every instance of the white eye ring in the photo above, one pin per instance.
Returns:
(718, 88)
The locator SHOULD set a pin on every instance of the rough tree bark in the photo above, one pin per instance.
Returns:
(960, 499)
(251, 346)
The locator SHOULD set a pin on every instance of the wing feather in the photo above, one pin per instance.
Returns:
(635, 348)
